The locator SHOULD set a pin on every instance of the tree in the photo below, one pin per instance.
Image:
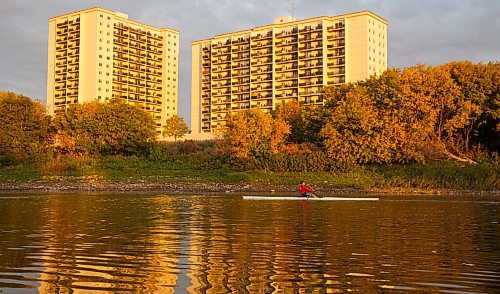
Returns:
(253, 133)
(24, 129)
(478, 115)
(175, 127)
(97, 128)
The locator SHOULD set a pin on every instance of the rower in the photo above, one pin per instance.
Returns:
(305, 191)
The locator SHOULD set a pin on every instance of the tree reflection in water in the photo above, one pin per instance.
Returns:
(214, 244)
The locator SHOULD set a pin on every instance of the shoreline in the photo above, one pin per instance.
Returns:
(207, 188)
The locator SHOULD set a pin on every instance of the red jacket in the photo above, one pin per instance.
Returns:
(304, 189)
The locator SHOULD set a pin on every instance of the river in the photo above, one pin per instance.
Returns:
(151, 243)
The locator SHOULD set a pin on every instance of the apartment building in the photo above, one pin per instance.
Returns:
(284, 61)
(98, 54)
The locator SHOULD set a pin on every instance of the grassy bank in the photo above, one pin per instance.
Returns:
(433, 176)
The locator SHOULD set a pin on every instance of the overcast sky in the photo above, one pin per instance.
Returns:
(420, 31)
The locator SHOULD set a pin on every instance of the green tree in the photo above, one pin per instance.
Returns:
(175, 127)
(24, 129)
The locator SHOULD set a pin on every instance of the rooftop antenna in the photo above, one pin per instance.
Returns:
(292, 8)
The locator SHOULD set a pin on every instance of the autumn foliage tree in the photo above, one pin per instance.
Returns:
(416, 114)
(253, 133)
(412, 114)
(97, 128)
(24, 129)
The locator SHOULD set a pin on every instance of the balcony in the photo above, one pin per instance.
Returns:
(241, 90)
(261, 79)
(240, 49)
(262, 61)
(338, 72)
(287, 33)
(338, 26)
(311, 55)
(241, 65)
(316, 28)
(241, 40)
(309, 65)
(310, 46)
(310, 83)
(287, 59)
(220, 77)
(311, 74)
(241, 73)
(221, 52)
(263, 52)
(262, 44)
(221, 44)
(336, 53)
(260, 87)
(287, 77)
(260, 36)
(241, 57)
(286, 50)
(336, 44)
(286, 68)
(221, 60)
(263, 69)
(336, 62)
(286, 85)
(336, 36)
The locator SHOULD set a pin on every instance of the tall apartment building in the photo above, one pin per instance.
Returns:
(100, 54)
(280, 62)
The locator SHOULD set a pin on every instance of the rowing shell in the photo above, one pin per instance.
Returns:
(310, 198)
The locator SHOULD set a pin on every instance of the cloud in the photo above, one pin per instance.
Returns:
(420, 31)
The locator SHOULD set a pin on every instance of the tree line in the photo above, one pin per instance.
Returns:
(29, 136)
(417, 114)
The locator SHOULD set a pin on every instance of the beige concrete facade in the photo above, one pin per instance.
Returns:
(98, 54)
(285, 61)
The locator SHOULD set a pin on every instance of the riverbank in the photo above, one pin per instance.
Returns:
(137, 175)
(86, 185)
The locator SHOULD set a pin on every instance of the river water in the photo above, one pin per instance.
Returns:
(74, 243)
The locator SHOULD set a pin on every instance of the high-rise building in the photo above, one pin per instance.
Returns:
(288, 60)
(98, 54)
